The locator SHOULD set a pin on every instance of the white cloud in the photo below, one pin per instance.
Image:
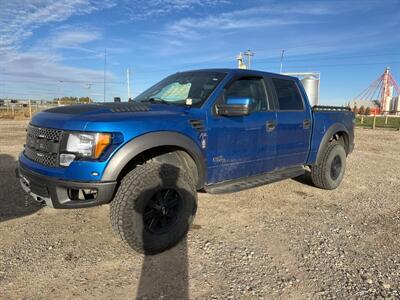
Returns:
(258, 16)
(19, 18)
(41, 75)
(70, 37)
(74, 38)
(42, 61)
(269, 14)
(143, 9)
(41, 65)
(179, 32)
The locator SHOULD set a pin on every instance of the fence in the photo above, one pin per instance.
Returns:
(391, 122)
(21, 111)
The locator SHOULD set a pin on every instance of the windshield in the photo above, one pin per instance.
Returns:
(176, 88)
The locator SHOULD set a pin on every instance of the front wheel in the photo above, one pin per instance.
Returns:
(154, 207)
(328, 174)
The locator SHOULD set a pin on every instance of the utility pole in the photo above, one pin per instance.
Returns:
(249, 54)
(60, 91)
(128, 82)
(89, 86)
(30, 108)
(283, 52)
(104, 75)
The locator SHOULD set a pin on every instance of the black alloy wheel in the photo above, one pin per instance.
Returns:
(162, 211)
(154, 207)
(336, 167)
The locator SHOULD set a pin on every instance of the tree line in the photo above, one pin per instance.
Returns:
(362, 110)
(72, 100)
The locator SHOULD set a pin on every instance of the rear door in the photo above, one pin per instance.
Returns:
(293, 118)
(242, 146)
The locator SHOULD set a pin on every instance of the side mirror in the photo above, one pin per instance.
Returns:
(236, 106)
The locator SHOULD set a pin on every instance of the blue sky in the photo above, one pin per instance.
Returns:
(51, 48)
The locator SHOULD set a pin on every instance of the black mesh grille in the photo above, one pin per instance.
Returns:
(45, 133)
(42, 145)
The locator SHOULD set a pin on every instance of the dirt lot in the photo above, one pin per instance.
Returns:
(284, 240)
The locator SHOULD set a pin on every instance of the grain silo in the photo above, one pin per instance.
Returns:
(311, 86)
(311, 82)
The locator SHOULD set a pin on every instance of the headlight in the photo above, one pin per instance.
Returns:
(84, 145)
(81, 143)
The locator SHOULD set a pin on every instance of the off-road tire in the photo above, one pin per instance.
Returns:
(322, 174)
(132, 196)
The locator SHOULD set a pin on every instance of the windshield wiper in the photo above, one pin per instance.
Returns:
(154, 99)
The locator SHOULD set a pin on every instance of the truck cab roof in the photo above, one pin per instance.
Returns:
(244, 72)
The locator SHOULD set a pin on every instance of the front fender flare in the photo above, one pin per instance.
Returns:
(151, 140)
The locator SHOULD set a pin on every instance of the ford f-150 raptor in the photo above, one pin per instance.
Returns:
(216, 130)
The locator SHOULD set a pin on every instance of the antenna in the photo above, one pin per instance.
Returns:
(104, 75)
(283, 52)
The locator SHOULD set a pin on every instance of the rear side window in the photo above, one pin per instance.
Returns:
(288, 95)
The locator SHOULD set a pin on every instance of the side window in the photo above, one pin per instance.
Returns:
(249, 88)
(288, 95)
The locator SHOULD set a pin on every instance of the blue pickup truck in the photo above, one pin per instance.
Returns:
(216, 130)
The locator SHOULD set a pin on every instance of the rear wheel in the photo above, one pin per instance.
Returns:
(329, 173)
(154, 207)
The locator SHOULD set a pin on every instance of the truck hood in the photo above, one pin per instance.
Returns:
(132, 117)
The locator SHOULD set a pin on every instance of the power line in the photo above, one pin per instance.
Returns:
(56, 80)
(340, 57)
(292, 64)
(344, 64)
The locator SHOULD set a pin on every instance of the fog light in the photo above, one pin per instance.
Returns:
(66, 159)
(82, 194)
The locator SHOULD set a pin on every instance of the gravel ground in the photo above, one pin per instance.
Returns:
(287, 240)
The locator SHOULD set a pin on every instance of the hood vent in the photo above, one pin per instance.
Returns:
(127, 107)
(112, 107)
(197, 124)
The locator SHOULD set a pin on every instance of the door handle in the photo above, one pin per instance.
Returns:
(271, 125)
(306, 124)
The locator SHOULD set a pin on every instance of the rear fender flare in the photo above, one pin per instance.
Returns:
(335, 128)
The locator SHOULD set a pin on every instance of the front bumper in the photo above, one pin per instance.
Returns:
(56, 193)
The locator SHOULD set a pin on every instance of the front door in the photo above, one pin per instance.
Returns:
(242, 146)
